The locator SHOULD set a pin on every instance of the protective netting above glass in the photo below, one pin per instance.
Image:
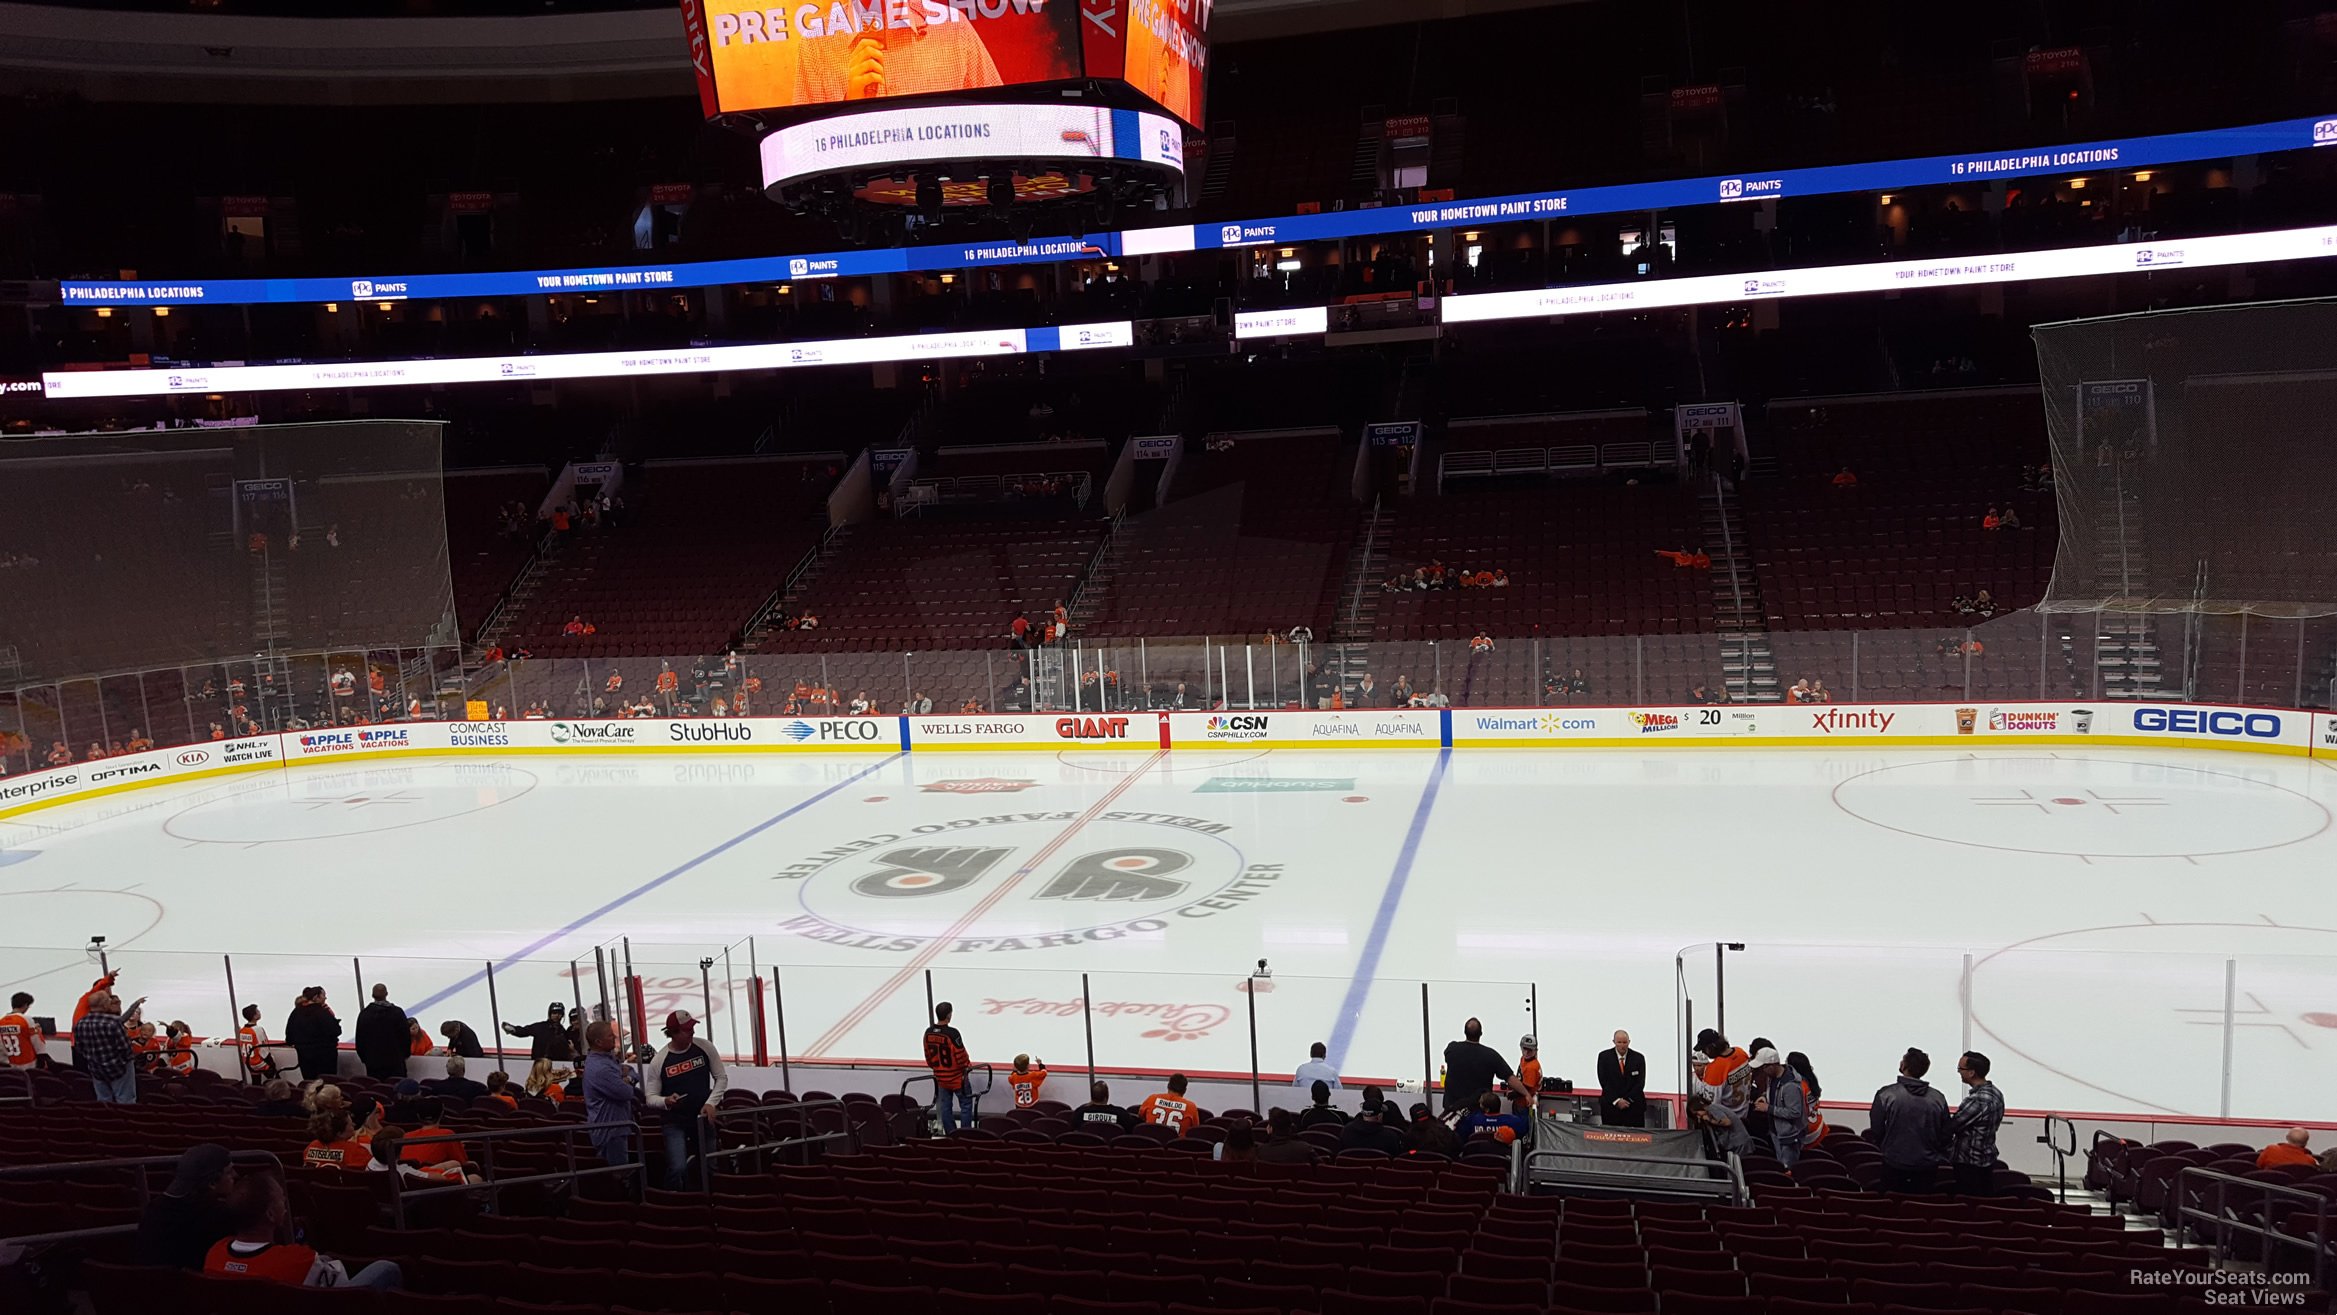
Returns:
(176, 547)
(2193, 452)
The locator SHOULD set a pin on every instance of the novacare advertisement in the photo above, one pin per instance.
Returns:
(1969, 726)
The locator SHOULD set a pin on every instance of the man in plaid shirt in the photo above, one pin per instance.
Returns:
(104, 1046)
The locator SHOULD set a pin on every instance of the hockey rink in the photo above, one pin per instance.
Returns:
(2107, 924)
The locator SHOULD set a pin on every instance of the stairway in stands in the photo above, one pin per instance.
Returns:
(2126, 646)
(1749, 668)
(1348, 656)
(774, 612)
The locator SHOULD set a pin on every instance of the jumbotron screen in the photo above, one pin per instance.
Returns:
(757, 55)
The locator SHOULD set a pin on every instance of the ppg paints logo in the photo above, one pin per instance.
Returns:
(1731, 188)
(361, 288)
(1738, 189)
(2325, 132)
(1231, 234)
(798, 267)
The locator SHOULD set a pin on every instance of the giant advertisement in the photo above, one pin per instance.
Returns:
(1168, 54)
(765, 56)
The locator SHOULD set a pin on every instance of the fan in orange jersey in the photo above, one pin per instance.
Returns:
(20, 1040)
(1028, 1077)
(333, 1143)
(1169, 1108)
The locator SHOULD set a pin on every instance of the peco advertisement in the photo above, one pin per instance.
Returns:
(1966, 726)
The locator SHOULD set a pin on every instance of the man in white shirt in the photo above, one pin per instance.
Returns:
(1316, 1069)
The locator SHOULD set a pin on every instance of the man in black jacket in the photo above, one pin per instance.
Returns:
(381, 1037)
(179, 1227)
(1622, 1085)
(1909, 1124)
(1100, 1116)
(457, 1084)
(549, 1039)
(314, 1035)
(1371, 1131)
(461, 1040)
(1470, 1067)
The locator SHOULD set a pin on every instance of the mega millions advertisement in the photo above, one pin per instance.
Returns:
(756, 55)
(1168, 53)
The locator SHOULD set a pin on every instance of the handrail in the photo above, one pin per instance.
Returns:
(1731, 1171)
(799, 1113)
(141, 1163)
(493, 1186)
(1363, 578)
(2226, 1223)
(778, 597)
(1094, 564)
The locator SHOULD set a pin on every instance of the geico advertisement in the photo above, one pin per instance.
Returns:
(1042, 730)
(777, 56)
(1395, 728)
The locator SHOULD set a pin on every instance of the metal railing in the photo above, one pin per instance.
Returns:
(137, 1166)
(794, 1131)
(2221, 1221)
(1728, 1181)
(494, 1186)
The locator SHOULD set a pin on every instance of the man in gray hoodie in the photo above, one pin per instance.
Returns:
(1909, 1124)
(1779, 1096)
(1973, 1128)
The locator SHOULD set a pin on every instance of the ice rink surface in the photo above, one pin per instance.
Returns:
(2102, 922)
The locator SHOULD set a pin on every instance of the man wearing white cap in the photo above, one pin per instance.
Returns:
(1780, 1098)
(686, 1081)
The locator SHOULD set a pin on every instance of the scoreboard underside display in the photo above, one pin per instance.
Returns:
(757, 56)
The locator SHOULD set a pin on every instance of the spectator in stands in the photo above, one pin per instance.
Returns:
(389, 1147)
(1702, 696)
(20, 1037)
(1471, 1068)
(919, 705)
(860, 706)
(1622, 1084)
(1500, 579)
(1428, 1135)
(1367, 693)
(1489, 1118)
(1100, 1110)
(1576, 685)
(102, 1046)
(1724, 1133)
(1321, 1113)
(686, 1077)
(548, 1038)
(179, 1227)
(499, 1091)
(314, 1034)
(1799, 691)
(547, 1081)
(2011, 520)
(1283, 1144)
(457, 1084)
(333, 1144)
(1843, 479)
(972, 707)
(381, 1037)
(1909, 1121)
(1373, 1128)
(1778, 1095)
(1972, 1128)
(263, 1246)
(1480, 643)
(1018, 630)
(1984, 603)
(1240, 1145)
(1715, 1058)
(1434, 698)
(2288, 1150)
(1400, 694)
(1025, 1081)
(945, 1055)
(281, 1100)
(418, 1043)
(1991, 520)
(1170, 1109)
(1528, 1084)
(1301, 634)
(1317, 1068)
(610, 1094)
(461, 1040)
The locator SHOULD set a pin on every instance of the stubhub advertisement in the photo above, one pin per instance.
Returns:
(1972, 725)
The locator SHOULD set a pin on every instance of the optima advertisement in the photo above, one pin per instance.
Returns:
(765, 56)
